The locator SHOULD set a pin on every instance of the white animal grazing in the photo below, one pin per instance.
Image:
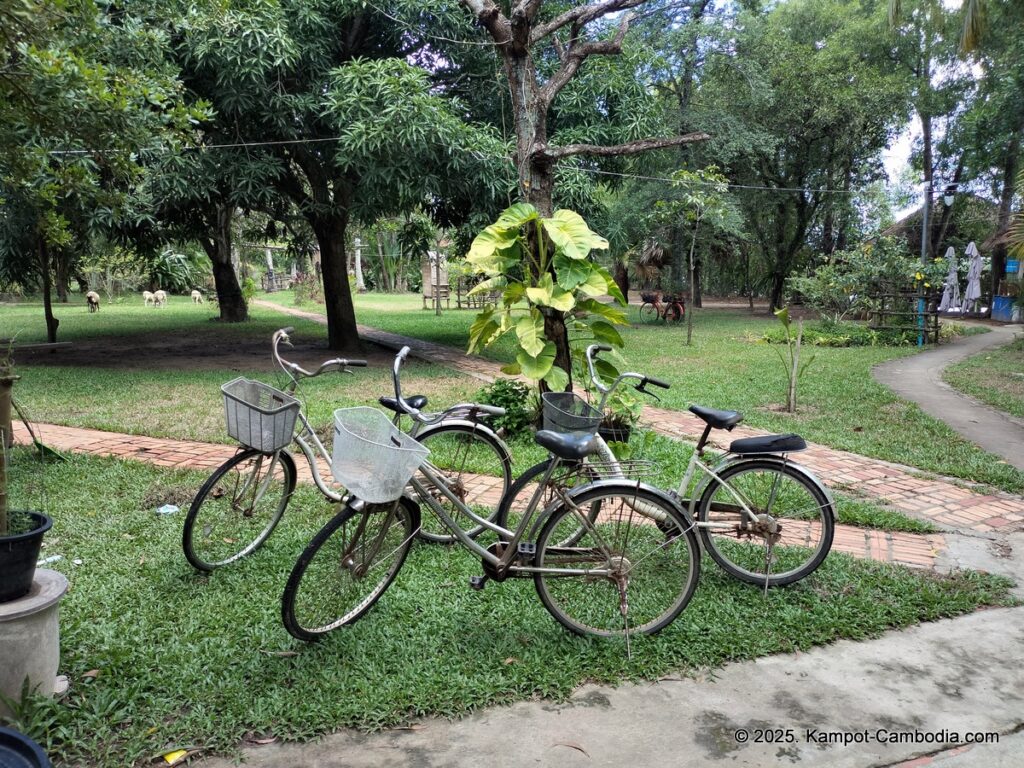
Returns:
(161, 298)
(93, 300)
(197, 297)
(148, 298)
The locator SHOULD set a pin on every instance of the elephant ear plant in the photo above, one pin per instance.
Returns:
(548, 288)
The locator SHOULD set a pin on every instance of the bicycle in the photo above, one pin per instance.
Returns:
(240, 504)
(672, 310)
(611, 573)
(756, 510)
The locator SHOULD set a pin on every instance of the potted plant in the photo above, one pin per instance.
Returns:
(622, 413)
(21, 532)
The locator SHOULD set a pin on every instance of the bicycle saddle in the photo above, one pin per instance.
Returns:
(571, 446)
(748, 446)
(717, 419)
(418, 402)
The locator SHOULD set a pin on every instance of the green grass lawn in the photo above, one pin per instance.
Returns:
(995, 377)
(160, 657)
(726, 367)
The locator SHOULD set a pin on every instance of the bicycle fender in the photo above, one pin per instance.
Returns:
(773, 459)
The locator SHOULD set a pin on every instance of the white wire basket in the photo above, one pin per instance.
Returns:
(258, 415)
(371, 457)
(568, 412)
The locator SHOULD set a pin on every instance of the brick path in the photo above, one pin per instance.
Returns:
(902, 488)
(948, 505)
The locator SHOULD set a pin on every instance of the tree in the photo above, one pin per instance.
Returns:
(543, 47)
(83, 92)
(325, 93)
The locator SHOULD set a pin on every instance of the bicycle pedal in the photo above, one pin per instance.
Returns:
(527, 548)
(477, 582)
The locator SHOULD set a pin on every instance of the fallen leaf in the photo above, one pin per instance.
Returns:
(283, 654)
(175, 757)
(265, 740)
(571, 745)
(511, 660)
(92, 674)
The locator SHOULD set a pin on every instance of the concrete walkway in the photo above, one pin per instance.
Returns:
(919, 379)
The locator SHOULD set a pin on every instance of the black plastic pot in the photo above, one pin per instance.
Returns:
(19, 751)
(617, 433)
(18, 556)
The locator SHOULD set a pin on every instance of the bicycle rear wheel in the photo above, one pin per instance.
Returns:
(628, 573)
(347, 567)
(515, 504)
(794, 516)
(475, 466)
(237, 508)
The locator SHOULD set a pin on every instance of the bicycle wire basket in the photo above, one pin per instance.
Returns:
(568, 412)
(371, 457)
(258, 415)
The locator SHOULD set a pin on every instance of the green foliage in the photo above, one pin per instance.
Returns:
(248, 289)
(175, 272)
(519, 402)
(830, 333)
(795, 368)
(541, 265)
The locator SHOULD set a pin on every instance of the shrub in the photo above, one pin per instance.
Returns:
(307, 289)
(519, 402)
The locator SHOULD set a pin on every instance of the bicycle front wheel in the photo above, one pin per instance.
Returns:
(475, 466)
(347, 567)
(634, 571)
(237, 508)
(648, 313)
(791, 535)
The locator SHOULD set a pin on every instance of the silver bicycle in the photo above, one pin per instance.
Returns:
(599, 567)
(240, 504)
(762, 517)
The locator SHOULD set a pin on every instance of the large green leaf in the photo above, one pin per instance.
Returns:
(612, 287)
(556, 379)
(611, 314)
(513, 217)
(489, 285)
(482, 330)
(571, 235)
(513, 293)
(530, 331)
(487, 246)
(783, 315)
(569, 273)
(605, 331)
(512, 369)
(595, 284)
(537, 366)
(541, 292)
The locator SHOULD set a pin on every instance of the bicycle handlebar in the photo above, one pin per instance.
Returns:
(294, 371)
(606, 391)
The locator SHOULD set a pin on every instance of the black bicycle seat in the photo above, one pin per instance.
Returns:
(572, 446)
(419, 402)
(717, 419)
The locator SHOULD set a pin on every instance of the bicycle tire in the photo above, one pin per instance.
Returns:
(478, 468)
(237, 508)
(328, 586)
(516, 502)
(654, 568)
(648, 313)
(674, 312)
(804, 543)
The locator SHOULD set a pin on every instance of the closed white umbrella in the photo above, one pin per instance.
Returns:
(951, 290)
(973, 292)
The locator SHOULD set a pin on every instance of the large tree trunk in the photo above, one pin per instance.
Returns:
(621, 276)
(232, 304)
(342, 335)
(62, 276)
(44, 274)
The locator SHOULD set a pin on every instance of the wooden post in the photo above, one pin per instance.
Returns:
(6, 438)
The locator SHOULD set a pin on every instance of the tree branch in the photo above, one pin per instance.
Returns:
(616, 150)
(492, 19)
(575, 55)
(578, 16)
